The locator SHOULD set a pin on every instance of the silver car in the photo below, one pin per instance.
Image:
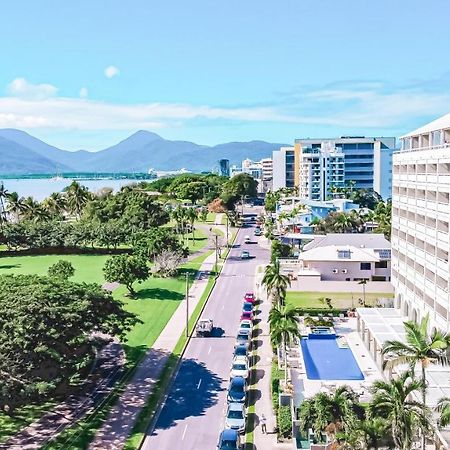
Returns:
(235, 418)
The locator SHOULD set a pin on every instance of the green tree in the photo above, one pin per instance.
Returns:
(237, 188)
(443, 408)
(55, 204)
(15, 205)
(191, 217)
(153, 242)
(126, 270)
(61, 270)
(392, 402)
(420, 348)
(77, 197)
(283, 323)
(275, 282)
(46, 327)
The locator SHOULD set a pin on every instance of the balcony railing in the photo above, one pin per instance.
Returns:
(431, 147)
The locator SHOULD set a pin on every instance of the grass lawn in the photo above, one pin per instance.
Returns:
(88, 268)
(339, 299)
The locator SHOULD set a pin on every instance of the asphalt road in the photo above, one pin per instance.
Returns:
(193, 414)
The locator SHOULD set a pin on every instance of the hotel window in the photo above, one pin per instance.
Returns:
(381, 265)
(365, 266)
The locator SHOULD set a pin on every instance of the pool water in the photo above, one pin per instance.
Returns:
(324, 360)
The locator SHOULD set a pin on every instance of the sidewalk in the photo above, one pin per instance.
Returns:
(263, 404)
(119, 423)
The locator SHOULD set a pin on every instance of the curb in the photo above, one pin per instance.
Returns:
(176, 369)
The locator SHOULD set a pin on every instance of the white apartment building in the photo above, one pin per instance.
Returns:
(420, 223)
(320, 168)
(367, 161)
(261, 171)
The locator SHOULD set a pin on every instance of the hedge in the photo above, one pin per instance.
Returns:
(284, 422)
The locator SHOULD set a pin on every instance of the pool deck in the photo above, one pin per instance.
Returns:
(305, 388)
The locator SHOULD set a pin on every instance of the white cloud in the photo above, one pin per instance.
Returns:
(20, 87)
(84, 92)
(111, 71)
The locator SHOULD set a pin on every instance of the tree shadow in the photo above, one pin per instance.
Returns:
(194, 391)
(252, 422)
(253, 396)
(158, 294)
(10, 266)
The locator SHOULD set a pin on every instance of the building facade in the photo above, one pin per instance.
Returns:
(224, 167)
(420, 223)
(261, 171)
(314, 165)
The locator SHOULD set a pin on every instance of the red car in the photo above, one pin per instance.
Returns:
(247, 315)
(249, 297)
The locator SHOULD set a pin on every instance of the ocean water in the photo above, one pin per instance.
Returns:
(42, 187)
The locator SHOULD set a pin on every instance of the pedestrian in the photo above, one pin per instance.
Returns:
(263, 421)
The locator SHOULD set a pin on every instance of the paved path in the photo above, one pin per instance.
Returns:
(193, 414)
(102, 381)
(119, 423)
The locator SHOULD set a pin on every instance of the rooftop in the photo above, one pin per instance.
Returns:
(439, 124)
(339, 253)
(360, 240)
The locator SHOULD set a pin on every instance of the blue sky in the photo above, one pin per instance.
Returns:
(86, 74)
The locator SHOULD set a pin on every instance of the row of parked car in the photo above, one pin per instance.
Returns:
(237, 390)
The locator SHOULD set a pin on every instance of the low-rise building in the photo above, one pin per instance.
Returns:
(261, 171)
(348, 257)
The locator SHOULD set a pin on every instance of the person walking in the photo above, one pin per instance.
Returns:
(263, 422)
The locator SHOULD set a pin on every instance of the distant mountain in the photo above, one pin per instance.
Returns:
(138, 153)
(18, 159)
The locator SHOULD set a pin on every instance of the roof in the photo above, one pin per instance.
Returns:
(361, 240)
(331, 253)
(229, 434)
(438, 124)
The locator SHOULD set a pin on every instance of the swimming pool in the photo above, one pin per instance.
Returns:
(324, 360)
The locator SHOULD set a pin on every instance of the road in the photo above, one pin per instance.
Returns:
(193, 414)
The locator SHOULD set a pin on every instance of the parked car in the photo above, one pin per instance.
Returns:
(247, 307)
(245, 254)
(235, 418)
(237, 390)
(240, 350)
(246, 325)
(243, 339)
(239, 367)
(246, 315)
(250, 297)
(229, 440)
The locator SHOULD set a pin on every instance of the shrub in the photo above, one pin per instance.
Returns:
(316, 311)
(276, 375)
(284, 422)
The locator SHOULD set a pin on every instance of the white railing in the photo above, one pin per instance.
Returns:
(430, 147)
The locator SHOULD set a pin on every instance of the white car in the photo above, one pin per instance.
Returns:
(245, 326)
(239, 367)
(236, 416)
(247, 240)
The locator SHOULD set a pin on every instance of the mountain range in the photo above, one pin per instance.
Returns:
(21, 153)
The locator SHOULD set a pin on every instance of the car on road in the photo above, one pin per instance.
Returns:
(243, 339)
(237, 390)
(246, 315)
(229, 440)
(245, 254)
(246, 325)
(235, 418)
(240, 350)
(247, 239)
(250, 297)
(247, 307)
(204, 327)
(257, 231)
(239, 367)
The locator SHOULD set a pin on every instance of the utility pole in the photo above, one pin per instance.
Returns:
(227, 229)
(217, 251)
(187, 304)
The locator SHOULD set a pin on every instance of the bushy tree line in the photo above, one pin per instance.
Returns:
(46, 342)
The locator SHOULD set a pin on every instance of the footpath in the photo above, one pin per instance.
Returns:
(121, 419)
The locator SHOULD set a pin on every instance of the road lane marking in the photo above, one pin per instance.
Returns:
(184, 432)
(209, 351)
(199, 383)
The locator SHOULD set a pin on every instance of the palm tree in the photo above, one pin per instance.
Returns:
(15, 205)
(283, 323)
(55, 203)
(3, 198)
(191, 215)
(420, 348)
(276, 283)
(443, 408)
(363, 283)
(77, 197)
(392, 401)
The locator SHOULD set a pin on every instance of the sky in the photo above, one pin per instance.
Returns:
(87, 74)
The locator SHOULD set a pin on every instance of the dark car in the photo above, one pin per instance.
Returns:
(236, 390)
(229, 440)
(240, 350)
(247, 307)
(247, 315)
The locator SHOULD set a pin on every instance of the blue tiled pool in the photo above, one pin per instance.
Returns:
(324, 360)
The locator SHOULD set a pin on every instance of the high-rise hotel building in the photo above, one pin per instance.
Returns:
(420, 223)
